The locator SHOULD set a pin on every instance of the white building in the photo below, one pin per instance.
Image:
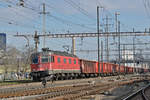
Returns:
(128, 56)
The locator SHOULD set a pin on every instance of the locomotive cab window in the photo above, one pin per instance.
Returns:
(35, 60)
(44, 59)
(74, 61)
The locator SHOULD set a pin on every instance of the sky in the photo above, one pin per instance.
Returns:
(69, 15)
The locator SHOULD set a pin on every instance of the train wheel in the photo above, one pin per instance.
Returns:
(75, 76)
(57, 78)
(71, 77)
(61, 78)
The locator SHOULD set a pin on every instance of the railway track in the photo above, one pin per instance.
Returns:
(37, 85)
(89, 90)
(142, 94)
(67, 92)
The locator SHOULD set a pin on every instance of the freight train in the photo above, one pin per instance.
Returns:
(62, 65)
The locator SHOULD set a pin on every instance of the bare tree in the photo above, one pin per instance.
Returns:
(9, 59)
(16, 60)
(26, 52)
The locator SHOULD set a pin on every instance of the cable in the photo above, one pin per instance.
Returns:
(69, 22)
(73, 16)
(102, 6)
(56, 18)
(81, 10)
(19, 14)
(105, 9)
(62, 20)
(146, 9)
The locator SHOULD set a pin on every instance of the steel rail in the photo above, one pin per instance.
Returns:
(139, 92)
(143, 92)
(84, 91)
(52, 92)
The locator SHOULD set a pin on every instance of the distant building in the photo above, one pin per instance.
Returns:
(128, 56)
(2, 41)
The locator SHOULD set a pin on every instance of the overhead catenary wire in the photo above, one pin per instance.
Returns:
(63, 20)
(72, 16)
(126, 27)
(147, 7)
(14, 8)
(80, 9)
(54, 17)
(59, 19)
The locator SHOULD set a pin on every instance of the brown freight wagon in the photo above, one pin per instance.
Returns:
(88, 68)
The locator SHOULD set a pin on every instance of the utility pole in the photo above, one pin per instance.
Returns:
(98, 39)
(21, 3)
(44, 13)
(119, 42)
(73, 45)
(107, 37)
(36, 39)
(102, 55)
(134, 52)
(116, 21)
(44, 22)
(124, 55)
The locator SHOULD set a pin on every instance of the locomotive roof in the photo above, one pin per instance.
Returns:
(60, 53)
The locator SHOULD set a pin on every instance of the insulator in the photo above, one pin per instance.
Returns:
(21, 3)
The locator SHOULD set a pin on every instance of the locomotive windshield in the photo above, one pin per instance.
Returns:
(35, 59)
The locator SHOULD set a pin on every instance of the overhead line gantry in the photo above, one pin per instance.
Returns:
(36, 36)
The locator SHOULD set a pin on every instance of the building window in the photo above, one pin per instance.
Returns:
(64, 60)
(69, 61)
(74, 61)
(58, 60)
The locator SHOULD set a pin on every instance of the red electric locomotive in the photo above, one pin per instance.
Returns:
(54, 63)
